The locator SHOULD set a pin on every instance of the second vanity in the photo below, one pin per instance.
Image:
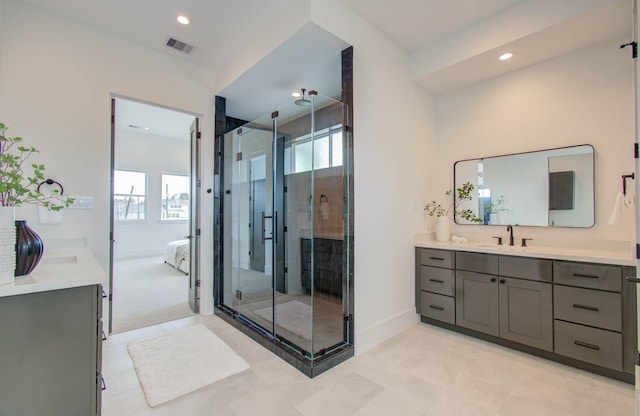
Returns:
(570, 306)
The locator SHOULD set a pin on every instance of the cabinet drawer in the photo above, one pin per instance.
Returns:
(437, 280)
(592, 276)
(526, 268)
(477, 262)
(589, 307)
(438, 258)
(442, 308)
(596, 346)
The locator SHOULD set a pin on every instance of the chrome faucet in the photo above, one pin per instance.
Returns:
(510, 229)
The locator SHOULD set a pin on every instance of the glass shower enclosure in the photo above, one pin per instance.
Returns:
(285, 264)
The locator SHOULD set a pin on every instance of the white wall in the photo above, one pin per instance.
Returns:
(56, 78)
(393, 173)
(153, 155)
(580, 98)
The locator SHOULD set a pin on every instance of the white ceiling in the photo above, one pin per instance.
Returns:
(309, 59)
(414, 23)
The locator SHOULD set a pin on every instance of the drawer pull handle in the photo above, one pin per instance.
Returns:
(588, 276)
(440, 308)
(587, 345)
(436, 258)
(436, 280)
(633, 280)
(589, 308)
(493, 280)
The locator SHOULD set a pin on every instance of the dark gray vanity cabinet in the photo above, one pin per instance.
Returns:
(526, 301)
(588, 303)
(581, 314)
(514, 302)
(50, 352)
(526, 312)
(435, 284)
(477, 292)
(477, 302)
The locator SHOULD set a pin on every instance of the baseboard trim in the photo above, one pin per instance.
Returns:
(372, 336)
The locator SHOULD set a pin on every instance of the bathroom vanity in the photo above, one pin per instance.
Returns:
(571, 306)
(51, 348)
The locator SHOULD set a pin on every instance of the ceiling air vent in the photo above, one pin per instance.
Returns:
(179, 45)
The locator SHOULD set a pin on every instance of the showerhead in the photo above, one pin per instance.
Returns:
(303, 102)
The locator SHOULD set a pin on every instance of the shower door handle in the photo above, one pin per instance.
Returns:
(264, 237)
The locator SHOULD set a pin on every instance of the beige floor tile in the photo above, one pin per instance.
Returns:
(422, 371)
(342, 398)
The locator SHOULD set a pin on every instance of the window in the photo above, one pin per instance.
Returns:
(129, 196)
(326, 151)
(176, 195)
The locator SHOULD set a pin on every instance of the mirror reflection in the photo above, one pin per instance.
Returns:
(551, 188)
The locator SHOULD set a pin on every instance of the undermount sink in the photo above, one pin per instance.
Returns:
(502, 247)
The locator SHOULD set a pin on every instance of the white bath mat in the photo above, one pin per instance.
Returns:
(294, 316)
(179, 362)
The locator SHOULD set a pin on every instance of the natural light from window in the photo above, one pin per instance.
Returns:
(129, 195)
(175, 197)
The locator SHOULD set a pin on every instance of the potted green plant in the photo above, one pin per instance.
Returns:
(19, 184)
(463, 193)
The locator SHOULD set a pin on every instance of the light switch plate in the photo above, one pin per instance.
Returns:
(81, 202)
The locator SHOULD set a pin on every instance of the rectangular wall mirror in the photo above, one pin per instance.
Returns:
(547, 188)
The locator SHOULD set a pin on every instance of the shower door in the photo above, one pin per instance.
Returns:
(283, 227)
(253, 221)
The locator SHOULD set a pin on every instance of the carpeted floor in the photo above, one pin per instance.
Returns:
(147, 292)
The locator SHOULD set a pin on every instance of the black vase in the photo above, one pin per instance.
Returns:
(29, 249)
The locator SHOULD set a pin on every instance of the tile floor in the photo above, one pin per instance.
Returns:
(424, 371)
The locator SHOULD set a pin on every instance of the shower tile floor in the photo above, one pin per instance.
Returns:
(424, 371)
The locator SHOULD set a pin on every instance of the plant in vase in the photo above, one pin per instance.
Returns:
(496, 208)
(18, 187)
(463, 193)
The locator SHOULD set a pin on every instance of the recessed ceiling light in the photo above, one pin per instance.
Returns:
(295, 94)
(146, 128)
(506, 56)
(183, 19)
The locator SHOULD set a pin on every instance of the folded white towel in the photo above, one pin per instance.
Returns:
(615, 215)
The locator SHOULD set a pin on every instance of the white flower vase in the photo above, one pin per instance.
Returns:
(7, 244)
(443, 229)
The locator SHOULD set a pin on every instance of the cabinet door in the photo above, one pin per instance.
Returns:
(526, 312)
(477, 302)
(48, 347)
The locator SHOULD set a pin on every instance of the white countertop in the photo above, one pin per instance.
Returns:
(588, 255)
(58, 269)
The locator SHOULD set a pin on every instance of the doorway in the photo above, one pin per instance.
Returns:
(153, 274)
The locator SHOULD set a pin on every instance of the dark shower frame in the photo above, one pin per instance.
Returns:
(224, 124)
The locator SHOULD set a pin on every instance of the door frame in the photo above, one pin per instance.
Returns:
(195, 198)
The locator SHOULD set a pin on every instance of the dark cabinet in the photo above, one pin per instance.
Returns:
(51, 352)
(580, 313)
(590, 318)
(327, 265)
(561, 194)
(477, 302)
(435, 284)
(526, 312)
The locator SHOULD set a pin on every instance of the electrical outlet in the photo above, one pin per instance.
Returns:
(81, 202)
